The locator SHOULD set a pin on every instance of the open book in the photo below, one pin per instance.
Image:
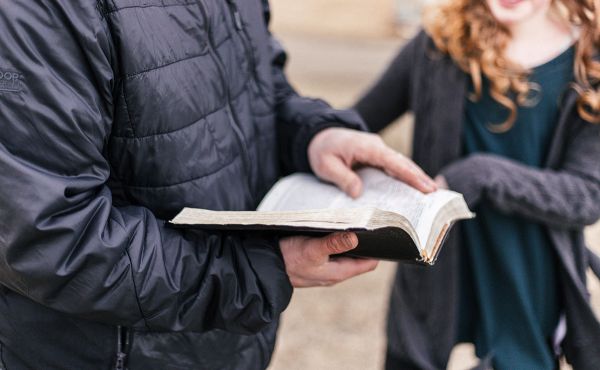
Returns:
(392, 220)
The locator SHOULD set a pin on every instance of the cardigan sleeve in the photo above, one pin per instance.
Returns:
(390, 96)
(566, 197)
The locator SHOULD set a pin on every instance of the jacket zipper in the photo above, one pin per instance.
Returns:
(241, 30)
(230, 112)
(122, 348)
(237, 19)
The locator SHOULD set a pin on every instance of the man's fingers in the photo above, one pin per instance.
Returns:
(339, 173)
(308, 262)
(405, 170)
(340, 269)
(321, 248)
(441, 182)
(398, 166)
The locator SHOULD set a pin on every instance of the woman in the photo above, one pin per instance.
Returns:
(506, 112)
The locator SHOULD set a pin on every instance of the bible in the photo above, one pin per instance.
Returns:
(392, 220)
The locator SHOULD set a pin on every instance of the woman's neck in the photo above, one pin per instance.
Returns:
(539, 39)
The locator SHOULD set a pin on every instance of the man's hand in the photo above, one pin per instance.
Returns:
(308, 263)
(441, 182)
(333, 152)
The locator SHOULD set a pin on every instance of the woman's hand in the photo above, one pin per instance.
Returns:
(334, 151)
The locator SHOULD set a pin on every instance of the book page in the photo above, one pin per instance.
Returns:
(299, 192)
(306, 192)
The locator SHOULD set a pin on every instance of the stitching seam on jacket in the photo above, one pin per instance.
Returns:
(2, 363)
(150, 69)
(263, 114)
(135, 74)
(135, 289)
(195, 121)
(127, 107)
(196, 178)
(117, 9)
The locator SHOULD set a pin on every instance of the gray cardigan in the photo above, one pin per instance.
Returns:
(564, 196)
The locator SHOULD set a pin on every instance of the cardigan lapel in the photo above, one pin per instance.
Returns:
(440, 108)
(561, 131)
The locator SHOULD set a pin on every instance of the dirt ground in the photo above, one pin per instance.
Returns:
(343, 327)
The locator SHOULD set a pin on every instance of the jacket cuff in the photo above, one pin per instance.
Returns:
(313, 116)
(268, 264)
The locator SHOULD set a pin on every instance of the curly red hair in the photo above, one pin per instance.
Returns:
(468, 32)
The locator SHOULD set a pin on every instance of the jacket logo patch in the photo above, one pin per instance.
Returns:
(10, 81)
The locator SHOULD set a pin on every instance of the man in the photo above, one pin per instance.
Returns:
(115, 115)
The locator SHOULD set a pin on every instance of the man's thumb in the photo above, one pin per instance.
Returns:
(340, 242)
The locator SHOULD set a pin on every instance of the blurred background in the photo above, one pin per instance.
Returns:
(337, 48)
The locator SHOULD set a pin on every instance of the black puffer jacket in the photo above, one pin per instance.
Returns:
(114, 115)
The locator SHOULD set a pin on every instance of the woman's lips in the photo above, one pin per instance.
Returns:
(509, 3)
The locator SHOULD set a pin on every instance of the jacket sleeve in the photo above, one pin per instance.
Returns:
(390, 96)
(62, 242)
(300, 118)
(567, 197)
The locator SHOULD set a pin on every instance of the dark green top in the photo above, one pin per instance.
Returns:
(512, 299)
